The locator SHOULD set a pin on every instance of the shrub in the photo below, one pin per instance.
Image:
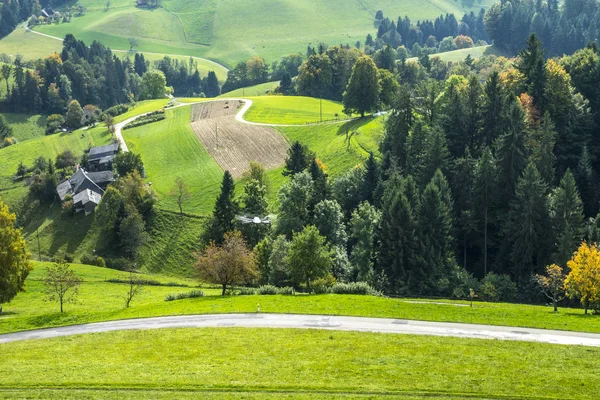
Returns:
(189, 295)
(121, 264)
(148, 282)
(117, 110)
(361, 288)
(89, 259)
(147, 119)
(267, 290)
(287, 291)
(323, 285)
(68, 257)
(498, 288)
(246, 291)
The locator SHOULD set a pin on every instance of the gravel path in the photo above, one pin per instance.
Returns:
(358, 324)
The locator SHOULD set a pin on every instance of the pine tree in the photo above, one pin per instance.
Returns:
(511, 153)
(371, 179)
(566, 210)
(322, 190)
(295, 199)
(362, 92)
(586, 181)
(529, 228)
(435, 225)
(485, 187)
(543, 152)
(454, 118)
(398, 237)
(211, 88)
(464, 206)
(473, 114)
(532, 64)
(364, 225)
(299, 158)
(225, 210)
(436, 157)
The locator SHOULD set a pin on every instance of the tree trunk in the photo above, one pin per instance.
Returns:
(224, 290)
(555, 305)
(61, 306)
(485, 242)
(308, 285)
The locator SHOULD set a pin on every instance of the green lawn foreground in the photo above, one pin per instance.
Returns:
(239, 361)
(102, 301)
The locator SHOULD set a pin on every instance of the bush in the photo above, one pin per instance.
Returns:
(89, 259)
(148, 282)
(246, 291)
(361, 288)
(287, 291)
(68, 257)
(267, 290)
(121, 264)
(189, 295)
(498, 288)
(147, 119)
(323, 285)
(117, 110)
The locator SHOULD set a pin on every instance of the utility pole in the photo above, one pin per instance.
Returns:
(321, 108)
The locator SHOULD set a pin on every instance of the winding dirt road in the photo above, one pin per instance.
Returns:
(289, 321)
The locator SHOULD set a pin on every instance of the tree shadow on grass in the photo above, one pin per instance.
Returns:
(351, 129)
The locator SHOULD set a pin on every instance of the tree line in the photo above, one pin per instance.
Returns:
(563, 27)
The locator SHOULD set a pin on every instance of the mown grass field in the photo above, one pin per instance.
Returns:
(28, 44)
(460, 55)
(256, 90)
(306, 362)
(25, 126)
(102, 301)
(294, 110)
(229, 31)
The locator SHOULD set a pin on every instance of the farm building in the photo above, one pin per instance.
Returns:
(101, 158)
(86, 188)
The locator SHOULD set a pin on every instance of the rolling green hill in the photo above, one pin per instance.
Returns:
(229, 31)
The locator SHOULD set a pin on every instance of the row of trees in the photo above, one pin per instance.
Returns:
(563, 27)
(427, 34)
(90, 75)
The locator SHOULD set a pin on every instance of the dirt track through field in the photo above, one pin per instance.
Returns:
(232, 144)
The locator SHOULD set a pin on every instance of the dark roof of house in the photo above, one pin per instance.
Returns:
(101, 177)
(64, 189)
(102, 151)
(81, 181)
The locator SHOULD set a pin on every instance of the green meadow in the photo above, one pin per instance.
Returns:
(26, 126)
(240, 362)
(229, 31)
(255, 91)
(100, 300)
(294, 110)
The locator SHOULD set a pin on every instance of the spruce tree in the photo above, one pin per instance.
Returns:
(363, 227)
(511, 153)
(464, 206)
(529, 228)
(225, 210)
(322, 190)
(474, 115)
(436, 157)
(371, 179)
(485, 187)
(299, 158)
(436, 242)
(543, 152)
(586, 181)
(567, 218)
(532, 65)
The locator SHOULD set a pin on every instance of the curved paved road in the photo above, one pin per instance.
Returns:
(358, 324)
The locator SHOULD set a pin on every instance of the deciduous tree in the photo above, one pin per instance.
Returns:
(61, 284)
(228, 264)
(362, 92)
(583, 281)
(14, 258)
(552, 284)
(309, 257)
(181, 192)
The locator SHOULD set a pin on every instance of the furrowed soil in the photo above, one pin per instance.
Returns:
(233, 144)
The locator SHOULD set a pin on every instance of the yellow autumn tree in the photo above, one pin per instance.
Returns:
(14, 258)
(583, 281)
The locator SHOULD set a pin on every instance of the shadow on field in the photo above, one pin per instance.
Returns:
(350, 128)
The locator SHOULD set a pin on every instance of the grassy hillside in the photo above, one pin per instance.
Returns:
(30, 45)
(460, 55)
(293, 110)
(240, 362)
(257, 90)
(229, 31)
(101, 300)
(25, 126)
(48, 147)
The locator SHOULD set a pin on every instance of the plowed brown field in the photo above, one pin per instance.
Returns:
(232, 144)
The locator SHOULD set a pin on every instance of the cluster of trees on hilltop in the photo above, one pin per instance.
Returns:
(88, 75)
(492, 180)
(563, 27)
(427, 35)
(185, 79)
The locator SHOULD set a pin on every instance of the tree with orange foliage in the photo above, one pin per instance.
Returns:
(228, 264)
(583, 281)
(552, 284)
